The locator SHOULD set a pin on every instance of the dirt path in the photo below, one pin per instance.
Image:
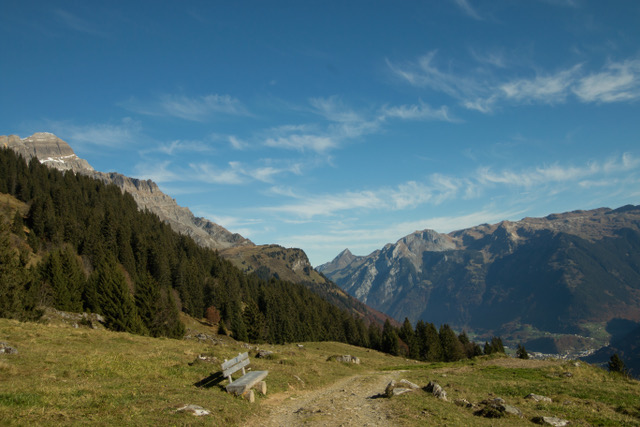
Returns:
(352, 401)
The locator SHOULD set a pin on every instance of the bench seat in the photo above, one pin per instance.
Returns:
(246, 382)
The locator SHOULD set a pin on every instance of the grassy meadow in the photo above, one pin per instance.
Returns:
(71, 376)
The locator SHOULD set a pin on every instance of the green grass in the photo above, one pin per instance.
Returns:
(67, 376)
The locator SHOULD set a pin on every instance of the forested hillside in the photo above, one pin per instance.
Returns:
(76, 244)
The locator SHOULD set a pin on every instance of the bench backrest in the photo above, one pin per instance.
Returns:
(235, 364)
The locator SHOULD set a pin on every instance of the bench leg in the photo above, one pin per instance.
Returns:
(249, 395)
(262, 387)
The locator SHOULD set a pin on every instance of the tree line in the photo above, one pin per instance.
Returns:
(84, 245)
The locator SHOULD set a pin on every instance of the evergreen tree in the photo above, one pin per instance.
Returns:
(617, 365)
(254, 322)
(389, 342)
(15, 299)
(167, 321)
(375, 337)
(407, 334)
(147, 300)
(431, 345)
(452, 348)
(521, 352)
(17, 226)
(114, 298)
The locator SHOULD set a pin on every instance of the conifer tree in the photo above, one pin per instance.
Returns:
(254, 322)
(389, 342)
(407, 334)
(616, 364)
(114, 298)
(451, 346)
(12, 279)
(431, 345)
(375, 337)
(521, 352)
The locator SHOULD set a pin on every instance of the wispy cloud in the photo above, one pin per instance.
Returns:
(419, 111)
(303, 142)
(197, 108)
(548, 89)
(439, 188)
(233, 173)
(113, 135)
(76, 23)
(615, 82)
(181, 146)
(466, 7)
(341, 124)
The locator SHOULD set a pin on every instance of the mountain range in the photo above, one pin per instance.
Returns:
(556, 283)
(553, 282)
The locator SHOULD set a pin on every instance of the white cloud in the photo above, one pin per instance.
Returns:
(619, 81)
(438, 188)
(303, 142)
(615, 82)
(466, 7)
(237, 143)
(198, 108)
(158, 172)
(421, 111)
(333, 109)
(546, 89)
(113, 135)
(76, 23)
(202, 107)
(182, 146)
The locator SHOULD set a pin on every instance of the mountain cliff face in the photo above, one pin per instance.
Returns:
(561, 274)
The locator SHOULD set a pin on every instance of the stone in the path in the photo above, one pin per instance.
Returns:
(196, 410)
(550, 421)
(395, 388)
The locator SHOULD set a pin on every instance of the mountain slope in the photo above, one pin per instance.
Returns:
(559, 274)
(54, 152)
(267, 261)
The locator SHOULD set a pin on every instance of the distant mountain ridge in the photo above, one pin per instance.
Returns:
(558, 274)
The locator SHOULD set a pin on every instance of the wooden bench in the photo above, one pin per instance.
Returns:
(243, 385)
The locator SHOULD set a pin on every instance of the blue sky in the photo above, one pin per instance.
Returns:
(325, 125)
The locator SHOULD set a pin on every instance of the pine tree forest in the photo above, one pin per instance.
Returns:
(85, 246)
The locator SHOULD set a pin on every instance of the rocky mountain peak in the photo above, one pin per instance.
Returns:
(48, 149)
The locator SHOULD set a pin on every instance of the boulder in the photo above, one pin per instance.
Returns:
(262, 354)
(395, 388)
(497, 408)
(550, 421)
(435, 389)
(538, 398)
